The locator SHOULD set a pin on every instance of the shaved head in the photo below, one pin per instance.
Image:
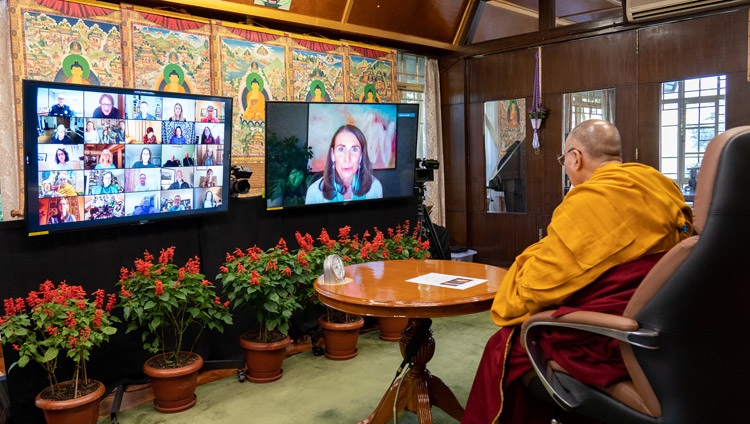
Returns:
(599, 138)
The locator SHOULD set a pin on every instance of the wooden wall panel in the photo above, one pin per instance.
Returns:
(452, 82)
(456, 224)
(648, 124)
(706, 46)
(738, 106)
(476, 199)
(504, 232)
(589, 64)
(454, 165)
(627, 122)
(501, 76)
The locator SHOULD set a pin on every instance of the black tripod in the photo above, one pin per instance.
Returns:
(426, 229)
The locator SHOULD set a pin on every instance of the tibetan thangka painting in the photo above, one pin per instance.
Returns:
(72, 50)
(318, 77)
(253, 73)
(171, 61)
(370, 80)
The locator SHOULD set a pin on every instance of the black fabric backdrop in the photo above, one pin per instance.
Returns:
(92, 258)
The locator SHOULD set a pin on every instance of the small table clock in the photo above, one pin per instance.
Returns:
(333, 270)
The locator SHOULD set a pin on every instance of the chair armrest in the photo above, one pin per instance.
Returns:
(618, 327)
(614, 326)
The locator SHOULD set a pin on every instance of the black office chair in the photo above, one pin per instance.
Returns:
(684, 331)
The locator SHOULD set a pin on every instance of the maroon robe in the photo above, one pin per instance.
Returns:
(590, 358)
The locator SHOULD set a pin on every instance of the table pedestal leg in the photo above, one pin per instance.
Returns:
(419, 389)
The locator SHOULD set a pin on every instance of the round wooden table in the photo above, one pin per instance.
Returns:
(381, 289)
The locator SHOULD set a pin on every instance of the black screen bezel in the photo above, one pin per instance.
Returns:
(407, 131)
(31, 166)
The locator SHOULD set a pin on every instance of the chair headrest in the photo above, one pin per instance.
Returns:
(704, 189)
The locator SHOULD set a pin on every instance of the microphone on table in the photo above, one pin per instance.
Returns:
(416, 341)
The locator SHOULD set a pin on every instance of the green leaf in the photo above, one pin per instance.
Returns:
(50, 354)
(23, 360)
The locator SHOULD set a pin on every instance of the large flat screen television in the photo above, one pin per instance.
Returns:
(339, 153)
(102, 156)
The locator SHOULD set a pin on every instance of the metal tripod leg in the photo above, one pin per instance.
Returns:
(426, 225)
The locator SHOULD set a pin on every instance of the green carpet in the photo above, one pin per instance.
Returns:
(315, 389)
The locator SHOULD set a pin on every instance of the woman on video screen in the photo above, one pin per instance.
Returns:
(348, 172)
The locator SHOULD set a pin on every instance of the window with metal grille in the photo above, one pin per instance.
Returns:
(692, 113)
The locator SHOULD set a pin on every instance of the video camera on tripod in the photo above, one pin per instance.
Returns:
(425, 170)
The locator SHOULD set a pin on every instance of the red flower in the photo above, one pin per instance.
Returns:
(224, 269)
(344, 232)
(206, 283)
(254, 253)
(324, 238)
(97, 321)
(287, 271)
(33, 299)
(305, 243)
(148, 257)
(70, 320)
(193, 265)
(166, 255)
(159, 289)
(99, 298)
(143, 267)
(111, 302)
(125, 292)
(301, 259)
(239, 253)
(281, 245)
(254, 278)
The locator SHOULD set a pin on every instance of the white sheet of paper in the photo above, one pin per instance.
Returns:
(445, 280)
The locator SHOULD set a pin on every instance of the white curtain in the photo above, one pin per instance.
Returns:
(10, 147)
(433, 131)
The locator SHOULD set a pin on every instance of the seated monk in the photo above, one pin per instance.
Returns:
(609, 230)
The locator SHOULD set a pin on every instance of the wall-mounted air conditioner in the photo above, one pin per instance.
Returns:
(642, 10)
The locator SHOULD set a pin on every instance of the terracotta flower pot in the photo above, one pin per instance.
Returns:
(391, 327)
(81, 410)
(263, 360)
(341, 338)
(174, 388)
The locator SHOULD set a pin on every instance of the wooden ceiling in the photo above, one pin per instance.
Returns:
(437, 26)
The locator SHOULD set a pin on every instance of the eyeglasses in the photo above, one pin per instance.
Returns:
(561, 158)
(105, 104)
